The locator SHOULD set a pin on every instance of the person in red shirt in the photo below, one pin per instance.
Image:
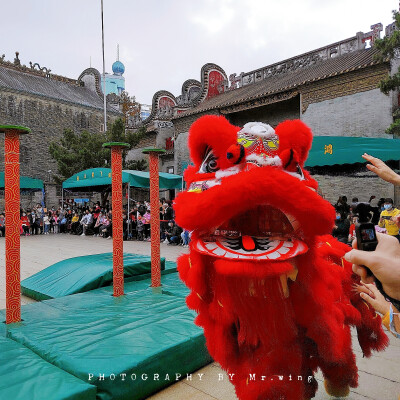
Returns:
(24, 223)
(352, 231)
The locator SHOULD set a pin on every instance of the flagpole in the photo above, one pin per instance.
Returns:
(104, 69)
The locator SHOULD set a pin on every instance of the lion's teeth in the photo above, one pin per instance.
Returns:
(284, 285)
(292, 275)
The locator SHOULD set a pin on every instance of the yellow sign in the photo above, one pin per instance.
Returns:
(92, 174)
(77, 178)
(328, 149)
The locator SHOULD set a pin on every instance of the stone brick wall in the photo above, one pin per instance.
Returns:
(47, 119)
(183, 124)
(348, 105)
(362, 186)
(271, 114)
(148, 141)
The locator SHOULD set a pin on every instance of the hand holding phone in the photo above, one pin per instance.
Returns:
(366, 239)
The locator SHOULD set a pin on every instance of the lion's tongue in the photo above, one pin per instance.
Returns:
(248, 243)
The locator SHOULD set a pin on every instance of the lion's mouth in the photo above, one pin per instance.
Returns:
(260, 234)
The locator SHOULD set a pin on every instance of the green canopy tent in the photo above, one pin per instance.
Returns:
(98, 178)
(338, 150)
(25, 183)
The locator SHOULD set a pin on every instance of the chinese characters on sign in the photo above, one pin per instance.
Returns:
(328, 149)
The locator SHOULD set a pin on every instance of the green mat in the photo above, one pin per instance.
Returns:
(144, 332)
(81, 274)
(24, 375)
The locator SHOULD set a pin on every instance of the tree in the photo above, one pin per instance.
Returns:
(389, 48)
(137, 165)
(79, 151)
(129, 106)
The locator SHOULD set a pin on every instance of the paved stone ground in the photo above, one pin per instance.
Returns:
(379, 375)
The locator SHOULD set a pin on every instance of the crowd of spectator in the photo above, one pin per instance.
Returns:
(97, 221)
(382, 213)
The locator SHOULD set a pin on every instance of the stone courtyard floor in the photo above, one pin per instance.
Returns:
(379, 375)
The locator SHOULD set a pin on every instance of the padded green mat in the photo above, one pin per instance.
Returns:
(81, 274)
(24, 375)
(144, 332)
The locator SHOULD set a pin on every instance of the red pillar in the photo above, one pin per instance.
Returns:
(12, 200)
(117, 227)
(155, 216)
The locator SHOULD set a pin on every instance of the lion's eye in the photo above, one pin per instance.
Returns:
(210, 163)
(300, 172)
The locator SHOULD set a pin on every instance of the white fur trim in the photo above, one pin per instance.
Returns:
(227, 172)
(273, 161)
(258, 129)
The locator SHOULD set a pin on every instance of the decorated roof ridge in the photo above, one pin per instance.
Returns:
(97, 79)
(193, 93)
(236, 96)
(307, 53)
(34, 69)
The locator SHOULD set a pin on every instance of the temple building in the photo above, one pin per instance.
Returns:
(333, 89)
(48, 104)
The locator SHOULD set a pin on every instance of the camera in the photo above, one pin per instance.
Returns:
(366, 239)
(366, 236)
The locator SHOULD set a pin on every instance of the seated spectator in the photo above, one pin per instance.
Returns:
(99, 221)
(173, 233)
(74, 223)
(341, 228)
(24, 224)
(106, 228)
(86, 221)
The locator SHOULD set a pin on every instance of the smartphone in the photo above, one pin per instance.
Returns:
(366, 239)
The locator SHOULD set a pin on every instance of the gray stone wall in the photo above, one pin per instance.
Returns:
(183, 124)
(271, 114)
(47, 119)
(362, 186)
(181, 152)
(365, 114)
(148, 141)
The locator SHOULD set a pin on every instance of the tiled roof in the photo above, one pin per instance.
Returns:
(23, 82)
(289, 80)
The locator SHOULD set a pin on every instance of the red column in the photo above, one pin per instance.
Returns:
(12, 200)
(117, 227)
(155, 221)
(12, 197)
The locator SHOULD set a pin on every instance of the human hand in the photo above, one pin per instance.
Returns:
(371, 294)
(381, 169)
(384, 263)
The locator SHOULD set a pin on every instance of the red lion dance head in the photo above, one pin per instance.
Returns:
(267, 280)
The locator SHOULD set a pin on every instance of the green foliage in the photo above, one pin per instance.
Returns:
(389, 44)
(388, 48)
(137, 165)
(394, 129)
(76, 152)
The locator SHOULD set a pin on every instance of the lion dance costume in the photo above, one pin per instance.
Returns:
(272, 292)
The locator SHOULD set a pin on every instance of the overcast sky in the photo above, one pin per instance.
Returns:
(164, 42)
